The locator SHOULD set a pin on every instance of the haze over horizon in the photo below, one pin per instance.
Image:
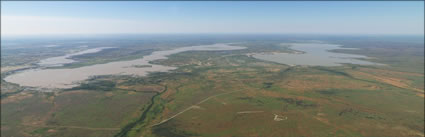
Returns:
(97, 17)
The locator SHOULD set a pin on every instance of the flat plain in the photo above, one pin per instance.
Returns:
(222, 93)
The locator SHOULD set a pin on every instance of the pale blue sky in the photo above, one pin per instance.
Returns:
(322, 17)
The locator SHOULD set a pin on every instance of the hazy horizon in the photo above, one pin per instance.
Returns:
(226, 17)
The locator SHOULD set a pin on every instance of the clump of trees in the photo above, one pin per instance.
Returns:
(99, 85)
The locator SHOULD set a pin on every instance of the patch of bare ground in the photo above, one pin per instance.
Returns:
(51, 112)
(407, 132)
(389, 72)
(249, 112)
(17, 97)
(420, 94)
(143, 88)
(273, 69)
(196, 107)
(74, 92)
(109, 94)
(323, 120)
(397, 82)
(317, 82)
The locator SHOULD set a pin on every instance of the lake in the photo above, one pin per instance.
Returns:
(314, 54)
(70, 77)
(61, 60)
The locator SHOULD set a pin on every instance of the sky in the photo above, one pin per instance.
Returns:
(246, 17)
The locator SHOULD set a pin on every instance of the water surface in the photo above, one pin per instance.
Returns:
(61, 60)
(314, 54)
(67, 78)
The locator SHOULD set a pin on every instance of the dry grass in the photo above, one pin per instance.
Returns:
(321, 81)
(143, 88)
(389, 72)
(394, 81)
(17, 97)
(12, 68)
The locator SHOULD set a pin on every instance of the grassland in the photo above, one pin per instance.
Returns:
(350, 100)
(227, 93)
(316, 102)
(91, 110)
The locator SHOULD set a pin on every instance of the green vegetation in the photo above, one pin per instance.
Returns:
(227, 93)
(126, 131)
(142, 66)
(98, 85)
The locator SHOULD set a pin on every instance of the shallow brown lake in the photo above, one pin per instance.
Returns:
(315, 54)
(67, 78)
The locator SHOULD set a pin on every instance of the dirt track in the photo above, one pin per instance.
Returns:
(202, 101)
